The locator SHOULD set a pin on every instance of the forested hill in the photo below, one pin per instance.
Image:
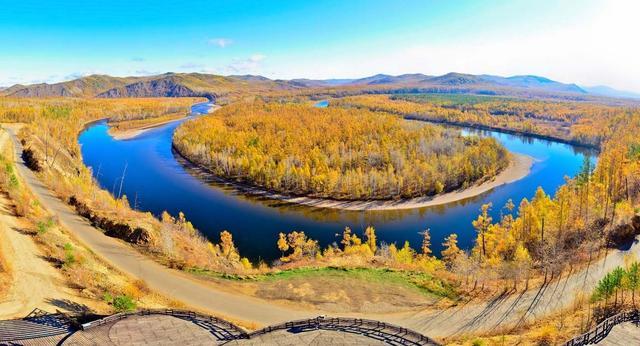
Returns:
(213, 86)
(82, 87)
(164, 85)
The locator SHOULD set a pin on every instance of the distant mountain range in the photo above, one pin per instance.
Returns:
(606, 91)
(214, 86)
(168, 84)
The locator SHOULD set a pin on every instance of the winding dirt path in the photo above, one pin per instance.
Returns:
(36, 283)
(169, 282)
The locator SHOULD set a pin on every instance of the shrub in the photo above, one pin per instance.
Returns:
(123, 304)
(546, 335)
(69, 257)
(477, 342)
(107, 297)
(44, 225)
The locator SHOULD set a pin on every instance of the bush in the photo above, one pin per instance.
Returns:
(44, 225)
(69, 257)
(546, 335)
(123, 304)
(478, 342)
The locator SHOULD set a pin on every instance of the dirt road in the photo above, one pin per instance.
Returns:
(36, 283)
(169, 282)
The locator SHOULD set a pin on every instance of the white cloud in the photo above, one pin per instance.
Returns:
(220, 42)
(75, 75)
(251, 64)
(192, 66)
(145, 73)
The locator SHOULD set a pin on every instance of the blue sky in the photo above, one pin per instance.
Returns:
(588, 42)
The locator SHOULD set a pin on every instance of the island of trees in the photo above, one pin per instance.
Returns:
(336, 153)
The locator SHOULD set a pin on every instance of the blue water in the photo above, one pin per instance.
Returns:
(154, 182)
(322, 104)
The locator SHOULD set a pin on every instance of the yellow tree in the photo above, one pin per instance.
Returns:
(426, 243)
(451, 250)
(482, 224)
(541, 204)
(346, 238)
(229, 250)
(283, 246)
(370, 233)
(522, 262)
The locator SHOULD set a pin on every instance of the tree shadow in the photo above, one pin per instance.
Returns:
(25, 231)
(492, 306)
(534, 302)
(72, 307)
(56, 262)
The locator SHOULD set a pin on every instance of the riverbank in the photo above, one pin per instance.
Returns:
(518, 168)
(133, 128)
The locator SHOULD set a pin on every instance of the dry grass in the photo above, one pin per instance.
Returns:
(5, 266)
(83, 271)
(550, 330)
(365, 290)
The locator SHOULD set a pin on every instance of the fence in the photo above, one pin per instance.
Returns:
(382, 330)
(602, 330)
(232, 331)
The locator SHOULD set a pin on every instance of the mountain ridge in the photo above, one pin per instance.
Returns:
(603, 90)
(172, 84)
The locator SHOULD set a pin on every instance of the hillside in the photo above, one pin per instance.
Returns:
(81, 87)
(195, 84)
(216, 86)
(518, 86)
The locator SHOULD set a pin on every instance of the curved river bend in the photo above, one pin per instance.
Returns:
(155, 182)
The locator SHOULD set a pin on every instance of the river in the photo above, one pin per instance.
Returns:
(154, 181)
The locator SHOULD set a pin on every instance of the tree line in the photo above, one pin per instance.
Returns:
(580, 122)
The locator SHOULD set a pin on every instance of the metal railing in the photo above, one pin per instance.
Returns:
(233, 332)
(35, 313)
(387, 332)
(381, 330)
(602, 330)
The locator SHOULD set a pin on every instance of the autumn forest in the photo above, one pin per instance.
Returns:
(336, 153)
(368, 147)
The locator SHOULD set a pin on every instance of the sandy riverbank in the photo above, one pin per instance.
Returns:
(138, 130)
(518, 168)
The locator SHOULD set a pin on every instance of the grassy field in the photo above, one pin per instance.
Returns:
(342, 290)
(421, 282)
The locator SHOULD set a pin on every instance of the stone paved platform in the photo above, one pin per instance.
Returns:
(144, 330)
(624, 334)
(184, 328)
(312, 337)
